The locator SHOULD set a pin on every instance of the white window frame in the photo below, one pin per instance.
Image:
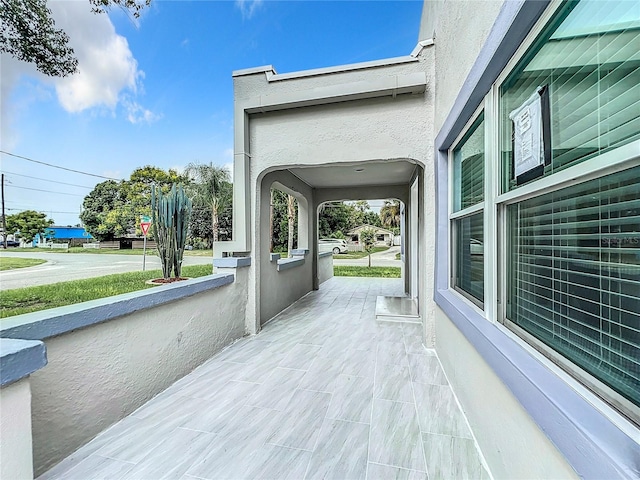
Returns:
(621, 158)
(480, 306)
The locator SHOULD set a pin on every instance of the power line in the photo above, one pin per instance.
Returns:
(47, 180)
(39, 209)
(47, 191)
(57, 166)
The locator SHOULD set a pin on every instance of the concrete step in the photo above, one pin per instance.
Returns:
(397, 309)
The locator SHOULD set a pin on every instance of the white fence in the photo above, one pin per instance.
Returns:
(62, 246)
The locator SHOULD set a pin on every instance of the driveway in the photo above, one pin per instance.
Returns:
(379, 259)
(61, 267)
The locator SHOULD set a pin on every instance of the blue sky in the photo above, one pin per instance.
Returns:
(159, 90)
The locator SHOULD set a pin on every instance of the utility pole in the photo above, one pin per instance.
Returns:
(4, 218)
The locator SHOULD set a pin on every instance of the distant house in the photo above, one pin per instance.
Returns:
(383, 236)
(71, 235)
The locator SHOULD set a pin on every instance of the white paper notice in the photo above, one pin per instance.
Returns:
(528, 148)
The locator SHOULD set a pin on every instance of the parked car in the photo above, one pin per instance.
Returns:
(335, 245)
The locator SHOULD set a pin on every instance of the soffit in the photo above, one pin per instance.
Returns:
(395, 172)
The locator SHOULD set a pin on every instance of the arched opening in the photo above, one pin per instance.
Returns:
(319, 197)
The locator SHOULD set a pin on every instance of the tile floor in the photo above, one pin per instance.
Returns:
(324, 391)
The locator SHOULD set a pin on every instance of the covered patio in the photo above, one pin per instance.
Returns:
(324, 391)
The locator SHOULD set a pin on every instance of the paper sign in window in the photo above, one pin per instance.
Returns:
(528, 145)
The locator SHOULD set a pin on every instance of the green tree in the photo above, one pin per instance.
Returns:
(390, 214)
(368, 239)
(280, 222)
(208, 189)
(371, 218)
(29, 223)
(28, 33)
(112, 209)
(333, 218)
(104, 198)
(291, 220)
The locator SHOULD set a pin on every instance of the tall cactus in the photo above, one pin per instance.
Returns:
(170, 221)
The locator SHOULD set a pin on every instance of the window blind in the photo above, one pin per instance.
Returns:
(470, 255)
(590, 58)
(574, 275)
(468, 158)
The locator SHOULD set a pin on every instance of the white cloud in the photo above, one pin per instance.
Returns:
(105, 62)
(108, 72)
(248, 7)
(138, 114)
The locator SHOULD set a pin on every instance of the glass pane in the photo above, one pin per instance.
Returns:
(589, 57)
(468, 167)
(574, 275)
(469, 255)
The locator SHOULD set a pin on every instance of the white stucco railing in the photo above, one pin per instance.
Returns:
(325, 267)
(108, 357)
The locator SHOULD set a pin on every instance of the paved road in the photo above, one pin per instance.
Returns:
(380, 259)
(61, 267)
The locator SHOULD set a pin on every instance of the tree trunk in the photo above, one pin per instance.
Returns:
(214, 230)
(369, 259)
(271, 223)
(291, 212)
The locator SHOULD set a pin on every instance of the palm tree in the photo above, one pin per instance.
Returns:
(207, 188)
(390, 213)
(291, 218)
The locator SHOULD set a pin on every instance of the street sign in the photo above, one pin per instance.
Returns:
(145, 223)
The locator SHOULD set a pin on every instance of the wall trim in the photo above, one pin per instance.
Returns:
(593, 445)
(56, 321)
(393, 85)
(232, 262)
(289, 263)
(273, 76)
(20, 358)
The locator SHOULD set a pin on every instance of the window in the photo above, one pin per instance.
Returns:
(467, 219)
(587, 58)
(572, 262)
(574, 275)
(468, 167)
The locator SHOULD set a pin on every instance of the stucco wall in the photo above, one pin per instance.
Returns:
(461, 30)
(276, 290)
(15, 431)
(325, 267)
(512, 443)
(252, 86)
(357, 130)
(382, 128)
(99, 374)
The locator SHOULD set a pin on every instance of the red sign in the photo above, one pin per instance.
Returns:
(145, 227)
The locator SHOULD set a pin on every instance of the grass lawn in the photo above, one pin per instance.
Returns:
(13, 263)
(32, 299)
(354, 255)
(383, 272)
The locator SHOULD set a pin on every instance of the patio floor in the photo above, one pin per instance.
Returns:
(324, 391)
